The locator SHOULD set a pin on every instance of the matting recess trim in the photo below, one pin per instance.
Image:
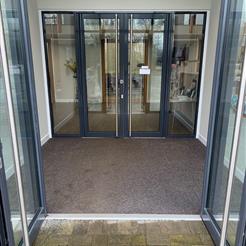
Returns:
(166, 217)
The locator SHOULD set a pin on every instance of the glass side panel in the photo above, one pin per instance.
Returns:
(185, 72)
(100, 40)
(146, 71)
(22, 108)
(8, 161)
(62, 69)
(225, 124)
(240, 171)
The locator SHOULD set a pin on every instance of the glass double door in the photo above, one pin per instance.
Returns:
(122, 73)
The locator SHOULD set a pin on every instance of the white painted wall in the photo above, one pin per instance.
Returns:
(124, 4)
(160, 5)
(206, 90)
(38, 70)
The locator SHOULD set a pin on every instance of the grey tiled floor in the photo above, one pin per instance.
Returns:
(112, 233)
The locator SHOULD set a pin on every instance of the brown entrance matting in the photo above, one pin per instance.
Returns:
(123, 175)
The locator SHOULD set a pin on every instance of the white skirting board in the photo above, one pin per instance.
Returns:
(202, 139)
(45, 138)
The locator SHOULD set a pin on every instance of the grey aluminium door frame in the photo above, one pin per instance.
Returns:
(222, 34)
(25, 40)
(15, 146)
(222, 43)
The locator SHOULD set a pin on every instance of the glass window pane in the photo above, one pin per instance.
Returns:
(99, 38)
(62, 69)
(185, 73)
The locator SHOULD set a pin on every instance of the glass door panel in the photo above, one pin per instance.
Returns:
(19, 115)
(146, 44)
(100, 41)
(222, 144)
(225, 126)
(22, 109)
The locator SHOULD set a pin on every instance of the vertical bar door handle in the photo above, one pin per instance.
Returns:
(130, 78)
(116, 76)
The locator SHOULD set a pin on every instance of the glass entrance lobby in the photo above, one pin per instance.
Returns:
(124, 75)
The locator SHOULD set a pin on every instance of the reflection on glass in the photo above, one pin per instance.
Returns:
(240, 171)
(62, 68)
(185, 71)
(224, 134)
(146, 69)
(100, 43)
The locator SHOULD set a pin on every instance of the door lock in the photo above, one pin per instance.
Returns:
(121, 81)
(121, 96)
